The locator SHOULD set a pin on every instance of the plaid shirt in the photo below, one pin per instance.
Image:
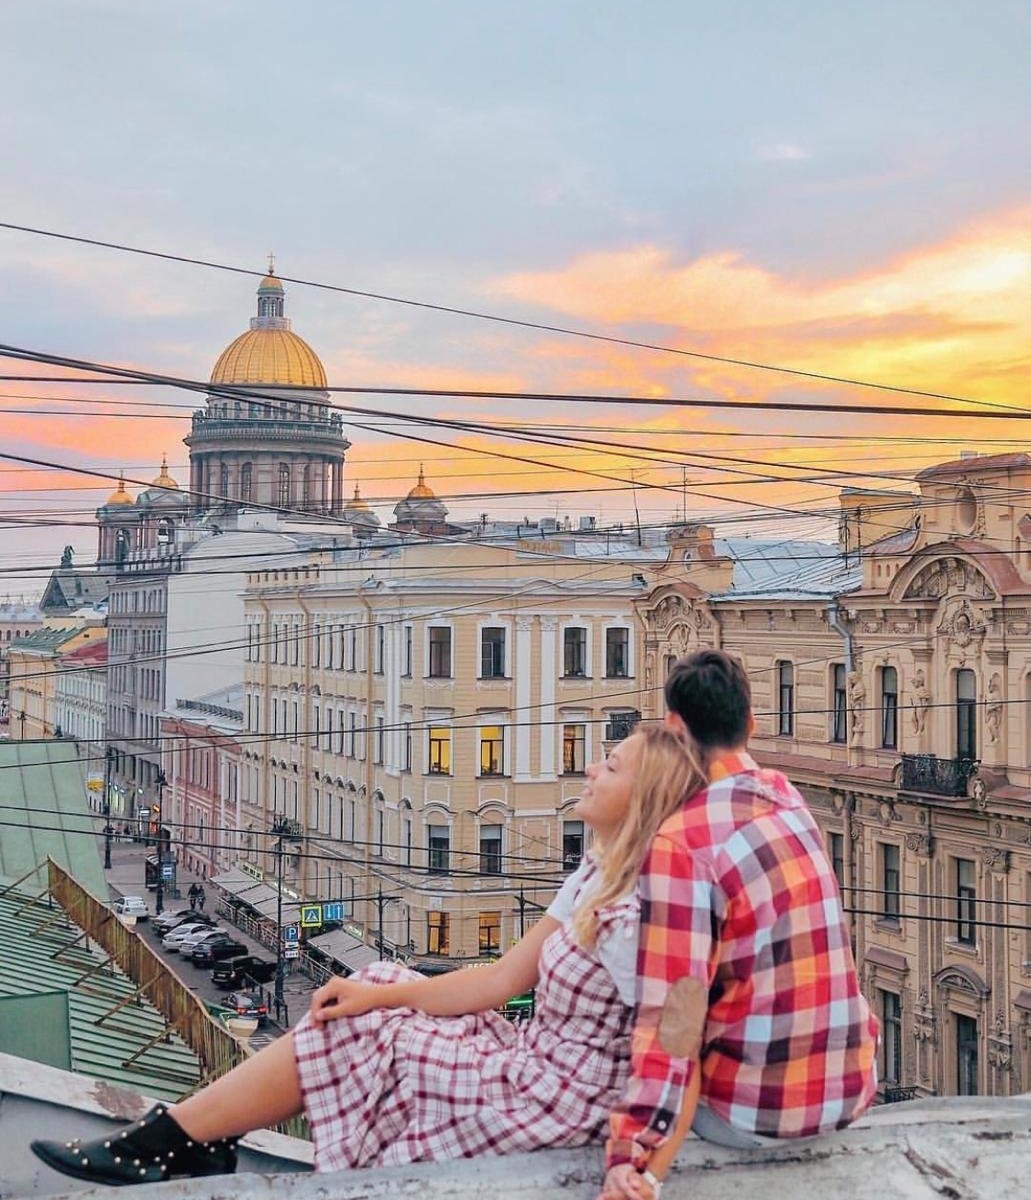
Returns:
(737, 895)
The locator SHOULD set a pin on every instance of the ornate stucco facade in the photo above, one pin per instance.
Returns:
(892, 684)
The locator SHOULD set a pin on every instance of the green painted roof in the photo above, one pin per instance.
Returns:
(47, 639)
(44, 952)
(43, 812)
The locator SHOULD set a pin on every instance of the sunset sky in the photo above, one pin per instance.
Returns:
(841, 189)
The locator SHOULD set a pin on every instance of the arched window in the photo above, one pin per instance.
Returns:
(966, 714)
(246, 482)
(223, 482)
(121, 546)
(283, 494)
(889, 708)
(166, 532)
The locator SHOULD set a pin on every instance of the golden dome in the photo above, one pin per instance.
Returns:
(421, 491)
(271, 280)
(164, 480)
(119, 495)
(274, 357)
(357, 501)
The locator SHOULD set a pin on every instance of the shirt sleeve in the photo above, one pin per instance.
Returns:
(675, 965)
(564, 904)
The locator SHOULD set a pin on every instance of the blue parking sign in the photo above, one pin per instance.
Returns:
(291, 933)
(333, 911)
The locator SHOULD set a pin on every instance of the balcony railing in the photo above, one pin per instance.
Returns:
(621, 725)
(897, 1095)
(937, 776)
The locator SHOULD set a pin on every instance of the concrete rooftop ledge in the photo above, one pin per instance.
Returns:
(965, 1148)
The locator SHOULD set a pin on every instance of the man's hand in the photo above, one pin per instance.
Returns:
(625, 1182)
(343, 998)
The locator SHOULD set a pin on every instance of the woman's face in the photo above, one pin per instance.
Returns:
(606, 795)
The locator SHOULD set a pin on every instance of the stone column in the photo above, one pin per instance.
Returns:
(548, 667)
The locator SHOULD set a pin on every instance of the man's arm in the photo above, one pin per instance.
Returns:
(674, 969)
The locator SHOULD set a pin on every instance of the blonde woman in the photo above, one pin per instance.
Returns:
(392, 1067)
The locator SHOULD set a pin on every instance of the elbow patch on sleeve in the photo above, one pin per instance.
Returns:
(683, 1018)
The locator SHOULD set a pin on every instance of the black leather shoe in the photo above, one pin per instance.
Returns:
(148, 1151)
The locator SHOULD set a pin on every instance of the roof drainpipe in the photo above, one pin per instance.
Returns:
(834, 621)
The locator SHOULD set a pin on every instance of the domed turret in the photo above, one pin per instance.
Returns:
(420, 511)
(358, 513)
(119, 495)
(164, 480)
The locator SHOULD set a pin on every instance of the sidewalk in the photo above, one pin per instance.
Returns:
(126, 877)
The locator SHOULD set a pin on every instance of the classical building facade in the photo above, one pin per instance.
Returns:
(80, 706)
(892, 682)
(18, 618)
(34, 665)
(422, 716)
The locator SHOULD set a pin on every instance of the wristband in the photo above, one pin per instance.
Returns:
(653, 1182)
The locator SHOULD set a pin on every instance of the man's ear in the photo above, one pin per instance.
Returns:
(675, 722)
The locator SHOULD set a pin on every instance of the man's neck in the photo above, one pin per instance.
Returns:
(721, 760)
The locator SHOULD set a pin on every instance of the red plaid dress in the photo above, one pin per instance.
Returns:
(398, 1086)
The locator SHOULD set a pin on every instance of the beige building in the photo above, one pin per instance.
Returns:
(34, 666)
(423, 715)
(892, 683)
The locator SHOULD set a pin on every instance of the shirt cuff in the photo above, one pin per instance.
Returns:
(624, 1150)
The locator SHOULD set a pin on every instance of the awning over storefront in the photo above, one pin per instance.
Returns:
(255, 894)
(343, 947)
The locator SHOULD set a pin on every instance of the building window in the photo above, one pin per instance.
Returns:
(966, 901)
(490, 849)
(352, 733)
(574, 651)
(440, 750)
(284, 486)
(407, 672)
(572, 844)
(617, 653)
(839, 704)
(891, 1037)
(574, 742)
(966, 714)
(406, 750)
(785, 699)
(492, 652)
(490, 933)
(352, 649)
(889, 708)
(439, 841)
(380, 740)
(381, 830)
(246, 482)
(440, 652)
(890, 881)
(381, 634)
(966, 1055)
(836, 846)
(492, 750)
(437, 933)
(406, 840)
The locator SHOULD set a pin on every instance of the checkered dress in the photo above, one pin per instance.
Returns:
(397, 1086)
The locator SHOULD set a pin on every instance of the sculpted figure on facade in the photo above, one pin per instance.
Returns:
(993, 708)
(921, 701)
(856, 707)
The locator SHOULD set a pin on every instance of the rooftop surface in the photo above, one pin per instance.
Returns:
(43, 813)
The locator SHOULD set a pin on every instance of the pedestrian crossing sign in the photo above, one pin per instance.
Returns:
(311, 915)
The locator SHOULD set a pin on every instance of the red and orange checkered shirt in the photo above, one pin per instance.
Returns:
(737, 893)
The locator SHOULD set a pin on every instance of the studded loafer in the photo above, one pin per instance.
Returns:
(148, 1151)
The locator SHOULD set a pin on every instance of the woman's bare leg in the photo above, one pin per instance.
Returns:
(260, 1091)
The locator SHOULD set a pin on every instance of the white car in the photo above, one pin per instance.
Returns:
(132, 906)
(188, 943)
(172, 941)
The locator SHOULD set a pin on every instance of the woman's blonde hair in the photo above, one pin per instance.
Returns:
(669, 770)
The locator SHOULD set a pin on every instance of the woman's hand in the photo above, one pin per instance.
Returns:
(626, 1183)
(344, 998)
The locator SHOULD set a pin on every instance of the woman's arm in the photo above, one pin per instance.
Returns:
(465, 991)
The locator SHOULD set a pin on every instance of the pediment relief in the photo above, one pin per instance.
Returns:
(948, 577)
(962, 979)
(962, 622)
(675, 612)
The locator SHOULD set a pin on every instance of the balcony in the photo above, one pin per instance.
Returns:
(621, 725)
(936, 776)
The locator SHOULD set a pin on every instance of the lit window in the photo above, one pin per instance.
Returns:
(440, 750)
(490, 933)
(574, 741)
(492, 750)
(437, 933)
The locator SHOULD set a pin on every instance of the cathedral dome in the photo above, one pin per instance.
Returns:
(164, 480)
(422, 491)
(269, 354)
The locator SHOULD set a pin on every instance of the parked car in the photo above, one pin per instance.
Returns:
(203, 934)
(247, 1004)
(132, 906)
(169, 920)
(237, 971)
(175, 937)
(215, 950)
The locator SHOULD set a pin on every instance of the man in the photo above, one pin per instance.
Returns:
(751, 1026)
(192, 895)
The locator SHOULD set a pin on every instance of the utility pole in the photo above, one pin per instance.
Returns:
(159, 898)
(279, 828)
(108, 753)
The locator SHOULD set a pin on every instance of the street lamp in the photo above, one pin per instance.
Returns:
(159, 899)
(280, 827)
(108, 753)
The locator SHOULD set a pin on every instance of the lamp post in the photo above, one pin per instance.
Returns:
(159, 898)
(107, 808)
(279, 829)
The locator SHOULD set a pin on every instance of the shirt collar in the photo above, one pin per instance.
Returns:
(733, 762)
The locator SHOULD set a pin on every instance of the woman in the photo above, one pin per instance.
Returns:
(392, 1067)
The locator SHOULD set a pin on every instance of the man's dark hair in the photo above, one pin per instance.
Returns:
(710, 692)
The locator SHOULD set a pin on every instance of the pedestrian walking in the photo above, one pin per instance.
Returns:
(200, 897)
(193, 895)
